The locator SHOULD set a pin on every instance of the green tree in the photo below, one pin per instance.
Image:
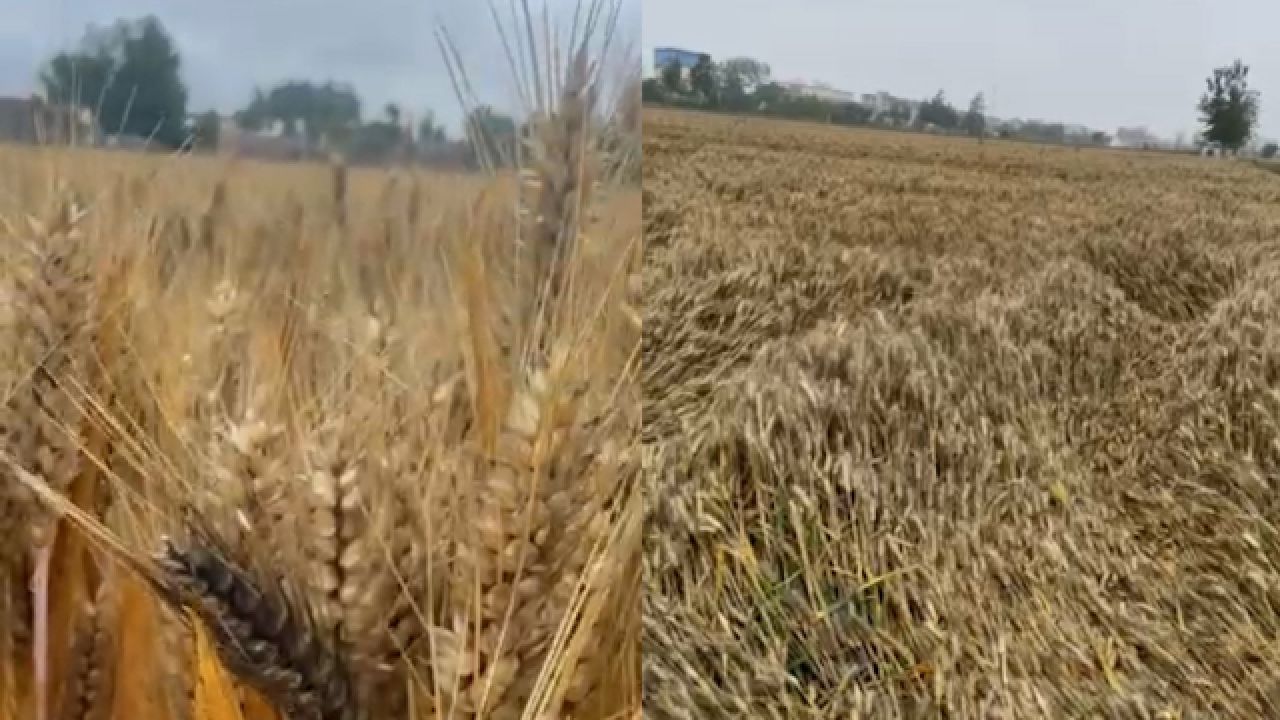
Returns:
(1044, 132)
(375, 142)
(256, 115)
(1269, 150)
(898, 114)
(325, 114)
(731, 92)
(430, 132)
(673, 77)
(737, 79)
(803, 107)
(78, 78)
(975, 121)
(769, 96)
(150, 74)
(131, 74)
(850, 113)
(1229, 107)
(748, 72)
(652, 90)
(938, 112)
(702, 80)
(206, 131)
(492, 135)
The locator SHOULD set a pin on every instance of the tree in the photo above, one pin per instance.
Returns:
(149, 83)
(652, 90)
(851, 113)
(702, 80)
(673, 77)
(1043, 132)
(375, 142)
(130, 73)
(493, 134)
(206, 131)
(327, 114)
(938, 112)
(1269, 150)
(1100, 138)
(730, 92)
(769, 95)
(431, 132)
(256, 115)
(79, 78)
(975, 121)
(749, 73)
(775, 100)
(1229, 108)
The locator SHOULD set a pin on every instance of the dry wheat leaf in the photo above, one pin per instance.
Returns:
(216, 697)
(137, 626)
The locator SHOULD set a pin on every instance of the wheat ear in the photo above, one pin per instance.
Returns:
(88, 694)
(40, 425)
(264, 634)
(556, 186)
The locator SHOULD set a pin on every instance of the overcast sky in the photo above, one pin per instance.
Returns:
(1102, 63)
(386, 48)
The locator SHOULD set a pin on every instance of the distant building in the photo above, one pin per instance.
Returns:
(272, 144)
(883, 104)
(664, 56)
(821, 91)
(34, 121)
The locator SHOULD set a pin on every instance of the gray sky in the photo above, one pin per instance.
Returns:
(1102, 63)
(386, 48)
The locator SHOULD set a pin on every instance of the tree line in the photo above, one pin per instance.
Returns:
(130, 75)
(1228, 109)
(743, 85)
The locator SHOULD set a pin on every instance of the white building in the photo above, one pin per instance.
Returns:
(881, 103)
(821, 91)
(878, 102)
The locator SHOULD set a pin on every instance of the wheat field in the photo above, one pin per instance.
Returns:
(302, 442)
(936, 428)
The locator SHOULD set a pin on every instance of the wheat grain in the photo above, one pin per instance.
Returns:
(89, 691)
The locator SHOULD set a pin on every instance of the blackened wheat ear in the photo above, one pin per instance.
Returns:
(263, 635)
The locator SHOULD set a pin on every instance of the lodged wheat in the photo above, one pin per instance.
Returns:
(944, 429)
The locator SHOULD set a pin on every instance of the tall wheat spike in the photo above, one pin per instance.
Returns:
(536, 514)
